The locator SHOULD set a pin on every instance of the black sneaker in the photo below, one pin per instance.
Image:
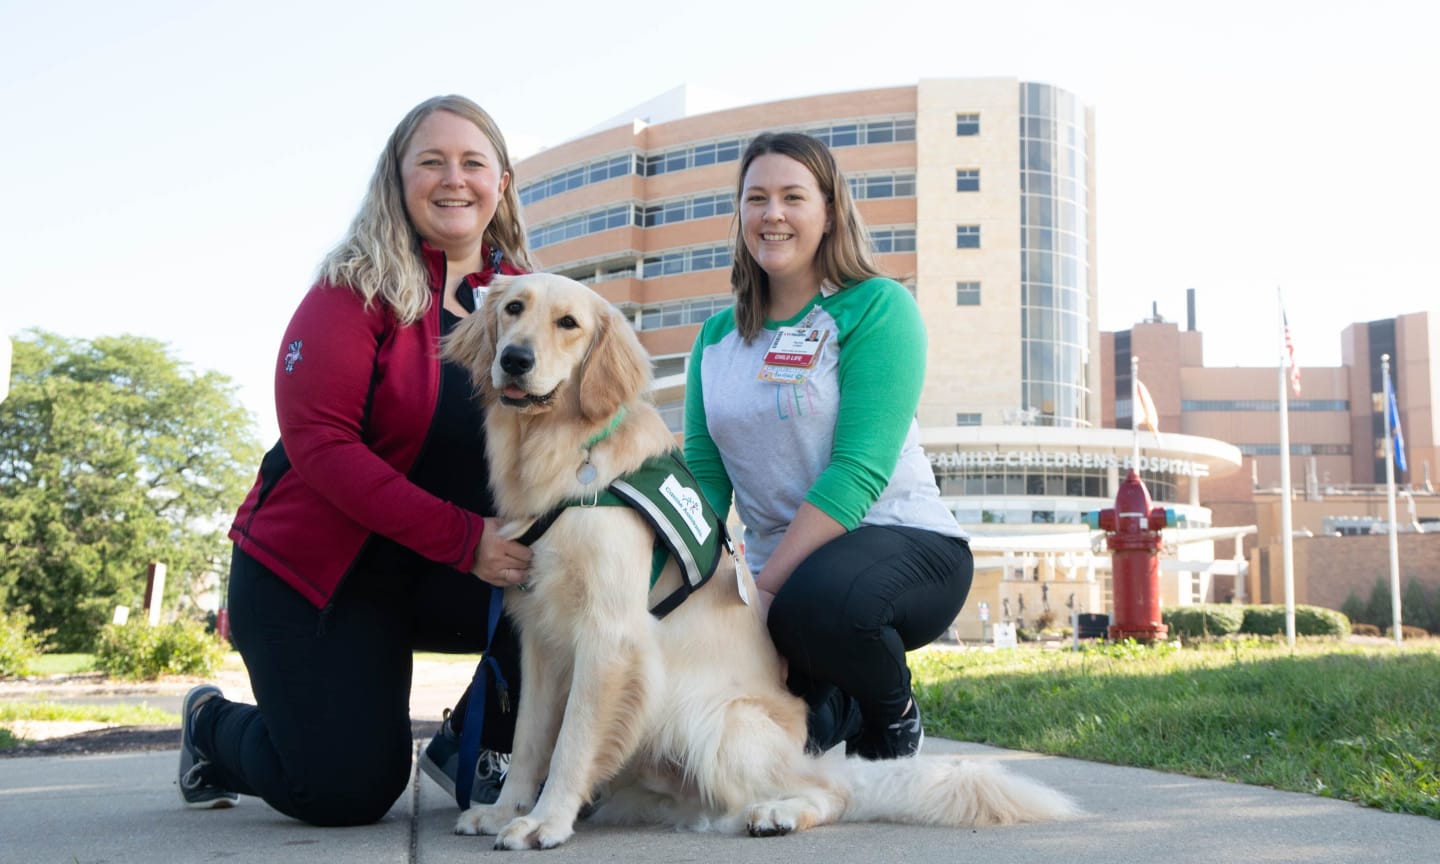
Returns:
(899, 740)
(834, 721)
(440, 760)
(194, 790)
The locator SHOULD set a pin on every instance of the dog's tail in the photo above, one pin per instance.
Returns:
(945, 790)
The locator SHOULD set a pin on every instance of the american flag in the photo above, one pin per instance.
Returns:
(1290, 353)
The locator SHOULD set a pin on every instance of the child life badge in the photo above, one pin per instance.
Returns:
(792, 354)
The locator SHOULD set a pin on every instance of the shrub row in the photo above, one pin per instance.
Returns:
(1215, 619)
(142, 652)
(19, 645)
(1419, 607)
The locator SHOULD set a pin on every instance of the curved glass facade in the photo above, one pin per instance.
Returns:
(1054, 238)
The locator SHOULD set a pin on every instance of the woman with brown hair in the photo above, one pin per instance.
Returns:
(856, 558)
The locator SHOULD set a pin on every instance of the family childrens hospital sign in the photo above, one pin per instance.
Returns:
(998, 459)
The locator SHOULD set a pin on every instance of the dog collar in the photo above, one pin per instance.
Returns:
(586, 472)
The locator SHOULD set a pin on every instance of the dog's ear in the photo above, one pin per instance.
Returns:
(472, 342)
(617, 369)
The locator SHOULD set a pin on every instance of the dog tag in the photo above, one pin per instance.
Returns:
(587, 473)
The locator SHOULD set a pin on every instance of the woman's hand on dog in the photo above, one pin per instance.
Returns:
(765, 598)
(499, 561)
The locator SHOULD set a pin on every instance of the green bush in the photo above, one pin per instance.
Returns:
(19, 645)
(1202, 620)
(1264, 621)
(1319, 621)
(142, 652)
(1269, 620)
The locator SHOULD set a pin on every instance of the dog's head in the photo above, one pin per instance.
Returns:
(542, 341)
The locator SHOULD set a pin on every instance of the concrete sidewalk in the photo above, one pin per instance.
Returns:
(124, 808)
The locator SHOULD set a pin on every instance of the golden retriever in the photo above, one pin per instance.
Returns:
(683, 720)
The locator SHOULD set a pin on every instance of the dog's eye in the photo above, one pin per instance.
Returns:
(567, 323)
(514, 307)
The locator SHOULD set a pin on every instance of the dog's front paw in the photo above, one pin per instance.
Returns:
(527, 832)
(483, 819)
(774, 819)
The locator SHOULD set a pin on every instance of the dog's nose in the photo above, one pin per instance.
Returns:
(517, 359)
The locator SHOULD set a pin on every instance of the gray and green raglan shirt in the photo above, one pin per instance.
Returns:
(844, 440)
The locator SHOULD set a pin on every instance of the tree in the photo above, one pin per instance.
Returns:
(113, 454)
(1354, 608)
(1378, 611)
(1415, 606)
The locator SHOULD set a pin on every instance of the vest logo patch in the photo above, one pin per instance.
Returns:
(687, 503)
(293, 355)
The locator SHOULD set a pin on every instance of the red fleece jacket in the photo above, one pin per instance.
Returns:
(355, 393)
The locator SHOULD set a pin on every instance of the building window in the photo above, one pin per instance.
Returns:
(663, 367)
(858, 132)
(679, 314)
(889, 185)
(1269, 405)
(683, 210)
(967, 236)
(967, 293)
(967, 418)
(967, 180)
(967, 124)
(889, 240)
(1303, 449)
(685, 261)
(673, 413)
(573, 178)
(592, 222)
(849, 133)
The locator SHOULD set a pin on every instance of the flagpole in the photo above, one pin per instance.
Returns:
(1287, 538)
(1390, 505)
(1135, 412)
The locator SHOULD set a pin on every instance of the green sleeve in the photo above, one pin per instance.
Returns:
(881, 372)
(701, 453)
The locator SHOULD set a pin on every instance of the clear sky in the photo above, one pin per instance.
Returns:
(177, 169)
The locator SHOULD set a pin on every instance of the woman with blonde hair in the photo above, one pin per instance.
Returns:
(367, 534)
(800, 405)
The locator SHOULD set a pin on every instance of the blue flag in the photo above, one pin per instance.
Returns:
(1395, 428)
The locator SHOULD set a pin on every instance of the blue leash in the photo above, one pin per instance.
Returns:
(475, 706)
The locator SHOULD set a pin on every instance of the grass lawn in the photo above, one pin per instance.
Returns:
(119, 715)
(1334, 719)
(63, 664)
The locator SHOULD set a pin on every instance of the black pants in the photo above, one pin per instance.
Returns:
(330, 741)
(847, 615)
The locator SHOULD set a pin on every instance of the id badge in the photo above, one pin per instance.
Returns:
(792, 354)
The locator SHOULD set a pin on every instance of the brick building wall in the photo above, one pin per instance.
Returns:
(1327, 569)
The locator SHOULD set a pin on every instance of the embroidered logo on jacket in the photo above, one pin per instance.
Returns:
(292, 356)
(687, 503)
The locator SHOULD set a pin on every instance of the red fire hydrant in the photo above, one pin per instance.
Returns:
(1134, 542)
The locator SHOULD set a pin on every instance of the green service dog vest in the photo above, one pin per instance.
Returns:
(667, 496)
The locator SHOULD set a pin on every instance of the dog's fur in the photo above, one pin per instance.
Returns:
(684, 720)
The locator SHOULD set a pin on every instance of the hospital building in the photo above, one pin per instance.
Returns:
(979, 195)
